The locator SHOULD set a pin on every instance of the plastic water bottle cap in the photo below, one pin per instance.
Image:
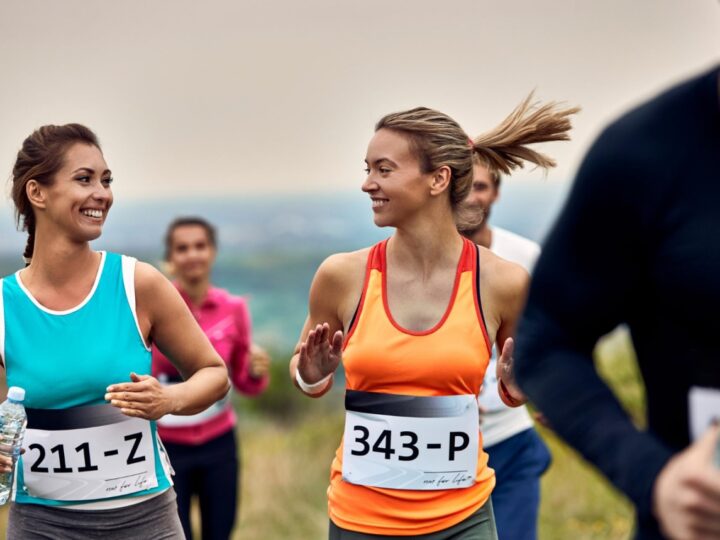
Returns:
(16, 393)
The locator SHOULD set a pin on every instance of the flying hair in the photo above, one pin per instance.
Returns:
(504, 148)
(437, 140)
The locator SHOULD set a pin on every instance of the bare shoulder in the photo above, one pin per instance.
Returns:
(503, 278)
(337, 287)
(149, 280)
(151, 284)
(342, 270)
(156, 299)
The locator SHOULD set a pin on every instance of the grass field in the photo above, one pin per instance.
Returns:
(288, 442)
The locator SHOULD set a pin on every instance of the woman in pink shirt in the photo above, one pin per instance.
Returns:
(202, 447)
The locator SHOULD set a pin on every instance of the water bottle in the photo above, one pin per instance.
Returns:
(12, 429)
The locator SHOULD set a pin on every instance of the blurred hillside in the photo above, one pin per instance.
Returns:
(270, 247)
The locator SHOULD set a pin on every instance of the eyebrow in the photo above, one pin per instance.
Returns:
(91, 171)
(380, 160)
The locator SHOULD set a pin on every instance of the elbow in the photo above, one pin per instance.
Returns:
(223, 384)
(225, 388)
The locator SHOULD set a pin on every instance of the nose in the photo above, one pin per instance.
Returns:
(472, 198)
(102, 192)
(369, 185)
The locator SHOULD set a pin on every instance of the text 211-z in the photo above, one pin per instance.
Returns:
(83, 448)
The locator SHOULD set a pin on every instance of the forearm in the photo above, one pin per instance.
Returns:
(206, 386)
(561, 380)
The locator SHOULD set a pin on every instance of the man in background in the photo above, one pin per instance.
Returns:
(516, 452)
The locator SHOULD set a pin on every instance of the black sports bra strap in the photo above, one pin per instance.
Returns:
(477, 284)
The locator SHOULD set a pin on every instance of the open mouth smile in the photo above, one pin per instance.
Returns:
(93, 213)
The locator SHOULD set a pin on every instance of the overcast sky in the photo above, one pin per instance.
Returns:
(229, 97)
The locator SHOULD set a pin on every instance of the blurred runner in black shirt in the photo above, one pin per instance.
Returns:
(638, 242)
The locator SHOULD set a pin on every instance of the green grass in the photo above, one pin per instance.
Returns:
(577, 502)
(288, 442)
(285, 477)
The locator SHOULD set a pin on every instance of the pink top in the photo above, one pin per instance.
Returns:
(225, 319)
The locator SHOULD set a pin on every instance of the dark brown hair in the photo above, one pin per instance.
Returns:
(437, 140)
(41, 156)
(186, 221)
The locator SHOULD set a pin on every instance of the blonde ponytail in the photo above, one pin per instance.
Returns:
(437, 140)
(504, 148)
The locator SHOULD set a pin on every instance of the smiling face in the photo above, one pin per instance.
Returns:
(191, 253)
(79, 198)
(397, 186)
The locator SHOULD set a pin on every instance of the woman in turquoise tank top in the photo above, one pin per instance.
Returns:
(75, 331)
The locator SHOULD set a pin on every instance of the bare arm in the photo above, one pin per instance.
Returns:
(507, 291)
(164, 317)
(334, 294)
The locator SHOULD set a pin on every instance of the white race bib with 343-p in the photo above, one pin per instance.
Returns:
(410, 442)
(87, 453)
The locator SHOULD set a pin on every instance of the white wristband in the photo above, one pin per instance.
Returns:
(314, 388)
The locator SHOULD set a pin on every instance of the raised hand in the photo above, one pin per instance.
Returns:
(144, 397)
(510, 392)
(319, 356)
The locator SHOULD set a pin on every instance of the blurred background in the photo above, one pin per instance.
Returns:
(256, 115)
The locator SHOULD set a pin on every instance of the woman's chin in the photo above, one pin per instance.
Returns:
(88, 234)
(382, 221)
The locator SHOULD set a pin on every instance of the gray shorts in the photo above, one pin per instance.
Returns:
(156, 518)
(479, 526)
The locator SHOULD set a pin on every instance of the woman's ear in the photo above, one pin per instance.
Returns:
(440, 180)
(36, 193)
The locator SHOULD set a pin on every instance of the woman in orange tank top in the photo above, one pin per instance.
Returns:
(413, 320)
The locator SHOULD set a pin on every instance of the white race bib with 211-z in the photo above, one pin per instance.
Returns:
(410, 442)
(87, 453)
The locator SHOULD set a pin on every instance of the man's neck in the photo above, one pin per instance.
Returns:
(483, 236)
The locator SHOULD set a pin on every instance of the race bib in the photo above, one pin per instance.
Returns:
(703, 408)
(87, 453)
(410, 442)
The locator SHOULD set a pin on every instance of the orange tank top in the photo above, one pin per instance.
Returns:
(449, 359)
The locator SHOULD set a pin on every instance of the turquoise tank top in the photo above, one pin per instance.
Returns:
(67, 359)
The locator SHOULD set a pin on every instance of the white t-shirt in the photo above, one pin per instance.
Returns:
(501, 422)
